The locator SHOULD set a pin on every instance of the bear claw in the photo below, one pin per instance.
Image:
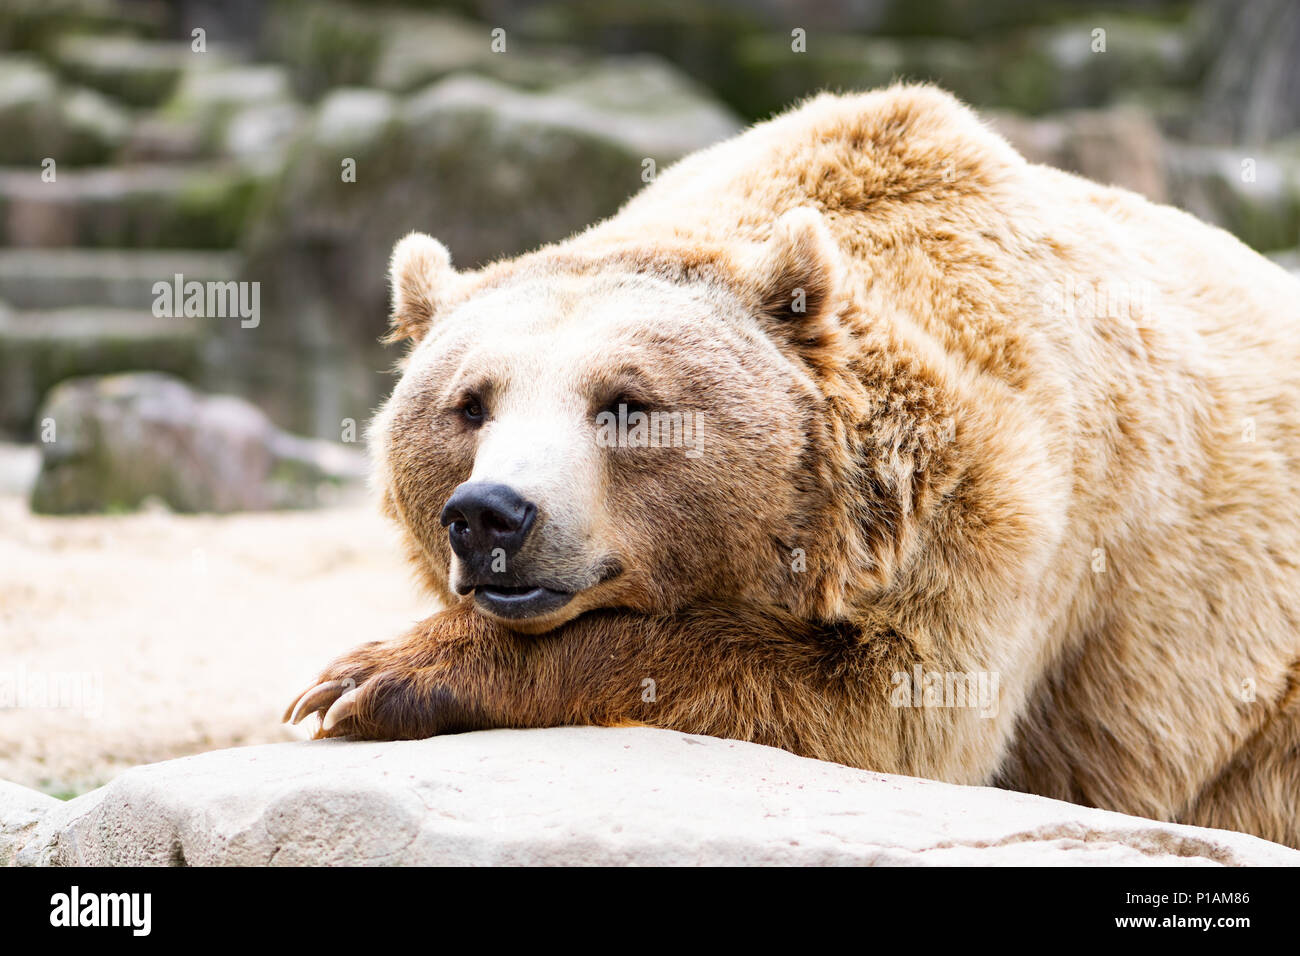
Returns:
(341, 709)
(318, 697)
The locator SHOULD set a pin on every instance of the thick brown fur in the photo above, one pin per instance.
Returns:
(960, 454)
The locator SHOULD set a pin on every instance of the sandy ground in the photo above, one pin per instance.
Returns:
(132, 639)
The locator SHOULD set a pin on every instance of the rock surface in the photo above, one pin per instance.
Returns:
(20, 810)
(113, 278)
(120, 440)
(137, 206)
(138, 72)
(576, 796)
(40, 119)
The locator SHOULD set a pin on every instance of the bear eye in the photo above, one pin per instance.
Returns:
(629, 404)
(472, 410)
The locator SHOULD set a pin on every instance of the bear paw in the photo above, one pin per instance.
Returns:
(401, 703)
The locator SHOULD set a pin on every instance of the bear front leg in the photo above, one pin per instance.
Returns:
(735, 673)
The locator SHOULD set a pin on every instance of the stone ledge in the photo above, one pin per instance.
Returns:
(578, 795)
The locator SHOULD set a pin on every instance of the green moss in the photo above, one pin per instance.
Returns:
(36, 25)
(212, 211)
(324, 44)
(138, 73)
(1025, 78)
(209, 211)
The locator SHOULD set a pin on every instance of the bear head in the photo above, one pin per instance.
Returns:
(639, 425)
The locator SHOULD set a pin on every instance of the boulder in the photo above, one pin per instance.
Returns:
(137, 72)
(20, 810)
(118, 278)
(112, 443)
(578, 796)
(639, 102)
(329, 44)
(241, 110)
(192, 205)
(42, 347)
(159, 138)
(258, 134)
(490, 169)
(38, 24)
(469, 158)
(418, 49)
(40, 119)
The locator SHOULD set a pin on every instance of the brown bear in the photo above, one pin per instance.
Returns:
(860, 436)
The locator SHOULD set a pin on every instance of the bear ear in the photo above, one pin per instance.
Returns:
(421, 276)
(795, 276)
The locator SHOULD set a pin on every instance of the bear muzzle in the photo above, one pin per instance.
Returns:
(487, 525)
(487, 522)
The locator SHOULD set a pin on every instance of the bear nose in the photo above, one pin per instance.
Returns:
(481, 517)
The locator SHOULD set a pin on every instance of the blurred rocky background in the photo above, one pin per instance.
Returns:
(289, 143)
(273, 151)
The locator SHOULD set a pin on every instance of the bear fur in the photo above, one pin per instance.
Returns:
(963, 415)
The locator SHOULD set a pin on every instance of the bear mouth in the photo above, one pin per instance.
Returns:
(524, 601)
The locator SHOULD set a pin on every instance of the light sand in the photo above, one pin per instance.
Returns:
(197, 630)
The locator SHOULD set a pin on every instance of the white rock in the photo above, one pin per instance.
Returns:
(88, 110)
(24, 81)
(350, 115)
(260, 133)
(231, 86)
(639, 103)
(20, 810)
(123, 438)
(587, 796)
